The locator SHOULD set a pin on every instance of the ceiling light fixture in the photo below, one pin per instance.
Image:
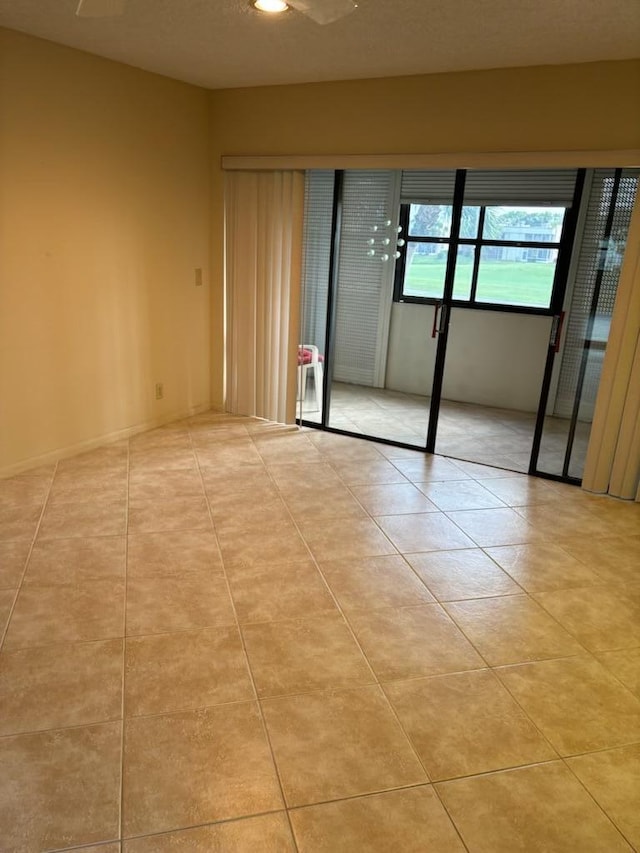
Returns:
(273, 7)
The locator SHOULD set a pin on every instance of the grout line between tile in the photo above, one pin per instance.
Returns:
(247, 660)
(124, 647)
(258, 700)
(600, 808)
(28, 558)
(377, 681)
(223, 822)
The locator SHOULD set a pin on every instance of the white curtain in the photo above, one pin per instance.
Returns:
(263, 258)
(613, 458)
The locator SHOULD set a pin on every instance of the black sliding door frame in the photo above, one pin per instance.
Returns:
(564, 260)
(334, 271)
(593, 309)
(445, 311)
(442, 327)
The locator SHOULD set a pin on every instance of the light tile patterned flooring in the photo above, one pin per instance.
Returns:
(489, 436)
(226, 635)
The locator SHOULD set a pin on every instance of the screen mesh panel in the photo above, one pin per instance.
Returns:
(595, 254)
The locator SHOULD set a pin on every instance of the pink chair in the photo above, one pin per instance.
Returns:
(310, 360)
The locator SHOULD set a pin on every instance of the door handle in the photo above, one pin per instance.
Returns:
(556, 331)
(444, 314)
(434, 328)
(439, 328)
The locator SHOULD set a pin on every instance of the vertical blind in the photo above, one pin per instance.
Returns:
(263, 252)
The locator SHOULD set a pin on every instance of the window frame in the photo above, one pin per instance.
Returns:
(478, 243)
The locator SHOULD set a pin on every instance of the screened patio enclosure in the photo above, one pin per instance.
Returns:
(465, 313)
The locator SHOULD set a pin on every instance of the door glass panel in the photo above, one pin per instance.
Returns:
(384, 354)
(317, 240)
(491, 387)
(563, 448)
(565, 438)
(464, 272)
(425, 269)
(516, 275)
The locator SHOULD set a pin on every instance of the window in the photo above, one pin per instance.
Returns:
(505, 255)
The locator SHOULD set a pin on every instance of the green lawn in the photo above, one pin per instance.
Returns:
(509, 282)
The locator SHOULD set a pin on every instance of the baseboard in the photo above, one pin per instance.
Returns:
(93, 443)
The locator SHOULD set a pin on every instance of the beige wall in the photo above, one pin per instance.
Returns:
(565, 107)
(105, 211)
(104, 214)
(554, 108)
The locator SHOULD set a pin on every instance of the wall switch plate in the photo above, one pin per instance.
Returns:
(198, 277)
(159, 390)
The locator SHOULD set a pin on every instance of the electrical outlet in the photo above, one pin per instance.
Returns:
(198, 277)
(159, 390)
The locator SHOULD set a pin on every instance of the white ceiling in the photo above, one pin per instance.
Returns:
(226, 44)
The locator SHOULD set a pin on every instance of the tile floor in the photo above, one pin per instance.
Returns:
(489, 436)
(225, 635)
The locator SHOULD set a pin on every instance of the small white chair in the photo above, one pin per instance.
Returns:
(310, 360)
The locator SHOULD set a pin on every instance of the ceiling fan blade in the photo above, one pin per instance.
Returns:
(324, 11)
(100, 8)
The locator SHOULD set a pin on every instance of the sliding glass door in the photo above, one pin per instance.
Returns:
(383, 358)
(513, 260)
(447, 311)
(600, 244)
